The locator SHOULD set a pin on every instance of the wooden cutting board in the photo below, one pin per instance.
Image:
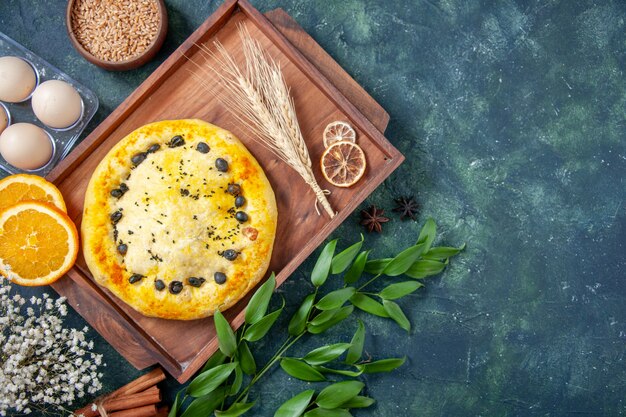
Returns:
(171, 93)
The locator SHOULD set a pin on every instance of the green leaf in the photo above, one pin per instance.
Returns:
(235, 410)
(218, 358)
(338, 393)
(225, 335)
(358, 402)
(399, 290)
(424, 268)
(236, 385)
(342, 260)
(261, 327)
(297, 324)
(383, 365)
(395, 312)
(257, 307)
(205, 405)
(344, 372)
(338, 316)
(335, 299)
(442, 252)
(295, 406)
(174, 410)
(325, 354)
(322, 412)
(427, 234)
(356, 345)
(323, 317)
(356, 270)
(301, 370)
(209, 380)
(368, 304)
(248, 364)
(377, 266)
(322, 266)
(403, 261)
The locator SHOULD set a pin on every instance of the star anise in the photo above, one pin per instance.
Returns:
(373, 219)
(407, 207)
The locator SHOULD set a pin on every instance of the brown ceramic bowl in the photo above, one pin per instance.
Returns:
(132, 63)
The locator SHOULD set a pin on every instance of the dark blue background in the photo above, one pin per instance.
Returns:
(511, 115)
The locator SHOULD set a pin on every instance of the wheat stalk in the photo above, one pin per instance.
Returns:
(259, 98)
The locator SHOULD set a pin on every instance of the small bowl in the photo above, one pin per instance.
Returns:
(132, 63)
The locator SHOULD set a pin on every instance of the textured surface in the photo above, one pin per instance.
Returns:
(511, 116)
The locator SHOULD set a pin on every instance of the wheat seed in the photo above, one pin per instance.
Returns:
(115, 30)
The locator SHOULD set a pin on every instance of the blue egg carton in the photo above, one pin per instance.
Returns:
(62, 139)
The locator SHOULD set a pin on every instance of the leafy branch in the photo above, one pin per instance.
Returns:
(219, 387)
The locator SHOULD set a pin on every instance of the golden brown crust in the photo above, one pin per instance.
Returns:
(176, 221)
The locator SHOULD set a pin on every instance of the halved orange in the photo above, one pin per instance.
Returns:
(338, 131)
(26, 187)
(38, 243)
(343, 164)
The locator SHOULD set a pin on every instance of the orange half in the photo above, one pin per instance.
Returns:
(38, 243)
(26, 187)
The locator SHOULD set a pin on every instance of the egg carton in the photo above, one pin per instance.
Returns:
(62, 139)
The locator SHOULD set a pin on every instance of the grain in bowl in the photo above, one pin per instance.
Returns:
(115, 30)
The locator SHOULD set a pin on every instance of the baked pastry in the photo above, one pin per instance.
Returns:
(179, 220)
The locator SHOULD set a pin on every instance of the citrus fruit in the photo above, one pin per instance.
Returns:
(343, 163)
(25, 187)
(337, 132)
(38, 243)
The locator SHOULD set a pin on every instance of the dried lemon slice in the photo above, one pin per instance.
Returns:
(26, 187)
(38, 243)
(337, 132)
(343, 163)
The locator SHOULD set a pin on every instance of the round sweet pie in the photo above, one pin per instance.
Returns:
(179, 220)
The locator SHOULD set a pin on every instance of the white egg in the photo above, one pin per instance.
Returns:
(17, 79)
(25, 146)
(57, 104)
(4, 118)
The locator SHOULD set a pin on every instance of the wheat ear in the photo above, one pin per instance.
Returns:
(260, 99)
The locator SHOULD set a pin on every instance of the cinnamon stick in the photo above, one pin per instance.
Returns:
(142, 383)
(144, 411)
(163, 411)
(152, 389)
(126, 402)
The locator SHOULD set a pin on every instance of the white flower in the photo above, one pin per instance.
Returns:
(42, 364)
